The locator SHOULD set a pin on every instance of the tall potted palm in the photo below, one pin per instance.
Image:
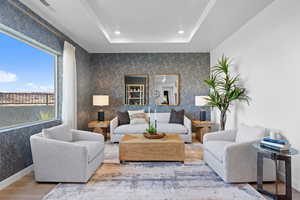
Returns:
(224, 89)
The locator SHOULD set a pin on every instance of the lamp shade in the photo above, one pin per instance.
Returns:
(100, 100)
(200, 100)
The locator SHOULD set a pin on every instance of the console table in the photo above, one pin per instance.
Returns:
(276, 156)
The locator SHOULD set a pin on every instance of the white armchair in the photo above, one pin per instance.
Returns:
(57, 159)
(235, 161)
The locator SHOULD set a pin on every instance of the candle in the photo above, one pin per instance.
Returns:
(149, 116)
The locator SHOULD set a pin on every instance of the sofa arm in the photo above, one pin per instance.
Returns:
(228, 135)
(188, 124)
(86, 135)
(53, 158)
(242, 153)
(113, 125)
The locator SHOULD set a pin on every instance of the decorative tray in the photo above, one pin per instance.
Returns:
(154, 136)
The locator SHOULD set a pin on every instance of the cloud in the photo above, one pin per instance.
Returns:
(6, 77)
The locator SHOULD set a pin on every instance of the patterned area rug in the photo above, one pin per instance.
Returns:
(193, 180)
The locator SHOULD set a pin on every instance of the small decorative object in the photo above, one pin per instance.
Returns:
(224, 89)
(151, 130)
(201, 101)
(151, 133)
(100, 100)
(275, 135)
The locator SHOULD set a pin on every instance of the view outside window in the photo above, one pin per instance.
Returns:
(27, 80)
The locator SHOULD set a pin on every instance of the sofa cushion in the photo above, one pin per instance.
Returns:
(94, 148)
(61, 132)
(131, 129)
(171, 128)
(141, 128)
(247, 133)
(177, 117)
(123, 118)
(137, 117)
(160, 117)
(217, 148)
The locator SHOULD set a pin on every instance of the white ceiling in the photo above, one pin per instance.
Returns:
(108, 26)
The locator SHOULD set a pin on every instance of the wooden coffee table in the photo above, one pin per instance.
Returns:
(138, 148)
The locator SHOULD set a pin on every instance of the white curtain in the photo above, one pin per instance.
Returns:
(69, 97)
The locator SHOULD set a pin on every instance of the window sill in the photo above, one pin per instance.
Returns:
(28, 125)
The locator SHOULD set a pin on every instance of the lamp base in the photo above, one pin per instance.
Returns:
(202, 116)
(101, 116)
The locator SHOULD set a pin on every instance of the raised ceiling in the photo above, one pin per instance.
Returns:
(108, 26)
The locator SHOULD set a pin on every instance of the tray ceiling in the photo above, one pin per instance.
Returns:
(147, 26)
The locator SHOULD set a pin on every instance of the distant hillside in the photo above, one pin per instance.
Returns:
(30, 98)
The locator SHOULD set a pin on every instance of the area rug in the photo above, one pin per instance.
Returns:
(193, 180)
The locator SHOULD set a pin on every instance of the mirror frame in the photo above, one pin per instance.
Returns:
(146, 93)
(179, 87)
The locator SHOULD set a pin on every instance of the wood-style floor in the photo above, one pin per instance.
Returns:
(27, 189)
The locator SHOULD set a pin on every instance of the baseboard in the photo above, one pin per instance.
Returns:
(15, 177)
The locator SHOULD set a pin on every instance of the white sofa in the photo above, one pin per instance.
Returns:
(67, 158)
(163, 125)
(234, 162)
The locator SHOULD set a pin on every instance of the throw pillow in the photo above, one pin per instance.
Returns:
(123, 118)
(177, 117)
(247, 133)
(137, 117)
(61, 132)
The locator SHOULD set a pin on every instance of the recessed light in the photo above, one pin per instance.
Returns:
(180, 32)
(117, 32)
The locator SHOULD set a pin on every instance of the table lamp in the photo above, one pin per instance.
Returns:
(201, 101)
(100, 100)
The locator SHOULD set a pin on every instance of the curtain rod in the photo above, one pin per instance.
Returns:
(34, 17)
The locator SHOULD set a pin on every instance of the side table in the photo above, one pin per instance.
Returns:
(100, 127)
(202, 127)
(275, 156)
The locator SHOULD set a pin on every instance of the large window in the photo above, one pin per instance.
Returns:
(27, 83)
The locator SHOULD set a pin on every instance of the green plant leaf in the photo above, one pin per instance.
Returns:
(224, 88)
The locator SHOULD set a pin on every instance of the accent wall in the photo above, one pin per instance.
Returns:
(109, 71)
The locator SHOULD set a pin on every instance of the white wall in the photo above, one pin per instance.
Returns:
(266, 53)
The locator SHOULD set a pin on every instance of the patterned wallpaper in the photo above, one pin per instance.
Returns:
(109, 71)
(15, 153)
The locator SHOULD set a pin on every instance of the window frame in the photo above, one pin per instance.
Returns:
(35, 44)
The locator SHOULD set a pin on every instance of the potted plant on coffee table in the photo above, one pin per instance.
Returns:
(151, 133)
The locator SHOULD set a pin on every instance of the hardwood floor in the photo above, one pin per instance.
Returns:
(27, 189)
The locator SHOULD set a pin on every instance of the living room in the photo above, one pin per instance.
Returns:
(116, 100)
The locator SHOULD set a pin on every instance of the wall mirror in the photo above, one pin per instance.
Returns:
(136, 89)
(166, 89)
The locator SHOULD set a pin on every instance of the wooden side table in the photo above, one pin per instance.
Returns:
(100, 127)
(202, 127)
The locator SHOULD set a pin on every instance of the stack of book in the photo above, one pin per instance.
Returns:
(274, 144)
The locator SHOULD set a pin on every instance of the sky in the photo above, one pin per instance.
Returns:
(24, 68)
